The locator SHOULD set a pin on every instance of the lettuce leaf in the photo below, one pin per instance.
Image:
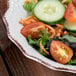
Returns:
(43, 38)
(70, 38)
(29, 6)
(73, 60)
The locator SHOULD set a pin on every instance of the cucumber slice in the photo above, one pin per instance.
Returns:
(71, 26)
(49, 11)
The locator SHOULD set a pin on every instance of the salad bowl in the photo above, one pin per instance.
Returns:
(11, 18)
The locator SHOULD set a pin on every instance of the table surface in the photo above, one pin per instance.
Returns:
(13, 62)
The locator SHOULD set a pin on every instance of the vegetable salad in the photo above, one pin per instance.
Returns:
(51, 28)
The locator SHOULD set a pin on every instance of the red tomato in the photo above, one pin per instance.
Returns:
(32, 29)
(70, 13)
(60, 52)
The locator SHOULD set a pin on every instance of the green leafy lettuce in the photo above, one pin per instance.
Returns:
(29, 5)
(43, 38)
(73, 60)
(70, 38)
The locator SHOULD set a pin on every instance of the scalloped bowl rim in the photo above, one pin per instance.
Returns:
(60, 67)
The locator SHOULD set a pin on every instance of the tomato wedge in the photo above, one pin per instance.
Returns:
(70, 13)
(60, 52)
(32, 29)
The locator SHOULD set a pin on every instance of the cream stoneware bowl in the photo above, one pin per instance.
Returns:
(11, 18)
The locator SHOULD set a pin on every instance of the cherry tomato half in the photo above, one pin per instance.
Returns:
(60, 52)
(70, 13)
(32, 29)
